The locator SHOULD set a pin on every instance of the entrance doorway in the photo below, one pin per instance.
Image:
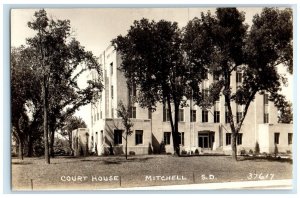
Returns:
(206, 139)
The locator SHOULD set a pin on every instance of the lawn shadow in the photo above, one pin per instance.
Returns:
(262, 159)
(21, 163)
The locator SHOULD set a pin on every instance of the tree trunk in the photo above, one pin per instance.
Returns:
(52, 133)
(175, 132)
(21, 149)
(233, 145)
(70, 143)
(30, 146)
(126, 145)
(45, 107)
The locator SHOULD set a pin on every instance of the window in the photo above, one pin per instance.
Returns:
(149, 114)
(227, 117)
(205, 94)
(132, 90)
(132, 112)
(290, 138)
(216, 116)
(181, 115)
(276, 138)
(166, 115)
(112, 112)
(97, 116)
(204, 116)
(181, 138)
(266, 118)
(266, 99)
(112, 91)
(193, 115)
(118, 137)
(239, 116)
(239, 77)
(100, 114)
(228, 138)
(138, 137)
(111, 68)
(239, 139)
(167, 137)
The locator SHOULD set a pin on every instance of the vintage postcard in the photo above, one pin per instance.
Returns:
(196, 98)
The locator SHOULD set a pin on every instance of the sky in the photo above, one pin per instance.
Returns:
(94, 28)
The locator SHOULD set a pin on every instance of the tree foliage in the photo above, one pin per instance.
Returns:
(152, 58)
(58, 61)
(231, 48)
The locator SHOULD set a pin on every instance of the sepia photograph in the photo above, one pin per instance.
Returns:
(151, 98)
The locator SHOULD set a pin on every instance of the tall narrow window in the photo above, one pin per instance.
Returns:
(138, 137)
(166, 115)
(216, 116)
(181, 115)
(132, 90)
(111, 68)
(204, 116)
(228, 138)
(266, 118)
(167, 138)
(181, 138)
(205, 94)
(118, 137)
(112, 92)
(239, 139)
(239, 77)
(132, 112)
(290, 138)
(112, 112)
(276, 138)
(149, 114)
(193, 115)
(266, 99)
(239, 116)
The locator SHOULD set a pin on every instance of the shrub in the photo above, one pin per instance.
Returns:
(183, 152)
(131, 153)
(192, 153)
(288, 152)
(250, 151)
(242, 151)
(257, 149)
(196, 152)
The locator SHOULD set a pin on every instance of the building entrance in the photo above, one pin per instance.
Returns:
(206, 139)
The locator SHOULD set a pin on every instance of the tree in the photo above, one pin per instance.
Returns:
(26, 111)
(233, 49)
(286, 113)
(152, 58)
(72, 123)
(123, 112)
(60, 62)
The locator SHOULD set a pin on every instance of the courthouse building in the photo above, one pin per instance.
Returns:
(204, 129)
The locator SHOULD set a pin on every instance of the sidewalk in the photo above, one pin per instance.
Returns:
(251, 185)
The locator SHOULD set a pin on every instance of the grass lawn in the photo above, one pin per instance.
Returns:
(91, 172)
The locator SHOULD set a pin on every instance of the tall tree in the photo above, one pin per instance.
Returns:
(255, 54)
(152, 58)
(124, 112)
(61, 61)
(26, 111)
